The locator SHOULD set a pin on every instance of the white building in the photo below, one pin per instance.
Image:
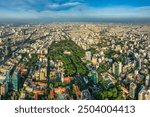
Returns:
(88, 55)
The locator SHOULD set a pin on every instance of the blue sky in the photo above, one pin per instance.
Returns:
(63, 9)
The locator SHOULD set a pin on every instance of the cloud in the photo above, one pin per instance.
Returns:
(114, 12)
(66, 10)
(71, 4)
(60, 6)
(83, 12)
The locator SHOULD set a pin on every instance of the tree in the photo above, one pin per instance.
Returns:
(93, 50)
(51, 86)
(31, 94)
(56, 84)
(63, 84)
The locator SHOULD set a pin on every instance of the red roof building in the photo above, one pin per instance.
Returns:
(51, 94)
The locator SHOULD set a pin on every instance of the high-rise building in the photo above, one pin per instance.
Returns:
(149, 39)
(147, 95)
(7, 50)
(117, 68)
(147, 80)
(43, 74)
(139, 64)
(144, 94)
(94, 76)
(133, 90)
(1, 33)
(62, 77)
(15, 81)
(3, 86)
(141, 95)
(8, 79)
(88, 55)
(3, 89)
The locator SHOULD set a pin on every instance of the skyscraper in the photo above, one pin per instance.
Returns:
(141, 95)
(62, 77)
(147, 80)
(43, 74)
(117, 68)
(149, 39)
(139, 64)
(94, 76)
(15, 81)
(8, 79)
(3, 89)
(1, 33)
(132, 91)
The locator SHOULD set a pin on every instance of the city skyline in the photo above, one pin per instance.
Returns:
(74, 10)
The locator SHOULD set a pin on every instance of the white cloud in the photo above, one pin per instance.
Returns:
(54, 6)
(80, 11)
(71, 4)
(60, 6)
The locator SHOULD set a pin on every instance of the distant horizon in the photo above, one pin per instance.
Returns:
(88, 20)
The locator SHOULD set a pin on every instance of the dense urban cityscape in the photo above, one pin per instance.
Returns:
(75, 61)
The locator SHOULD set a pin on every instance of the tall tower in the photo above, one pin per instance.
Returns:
(15, 81)
(132, 91)
(147, 80)
(8, 79)
(1, 33)
(62, 77)
(94, 76)
(139, 64)
(141, 95)
(117, 68)
(43, 74)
